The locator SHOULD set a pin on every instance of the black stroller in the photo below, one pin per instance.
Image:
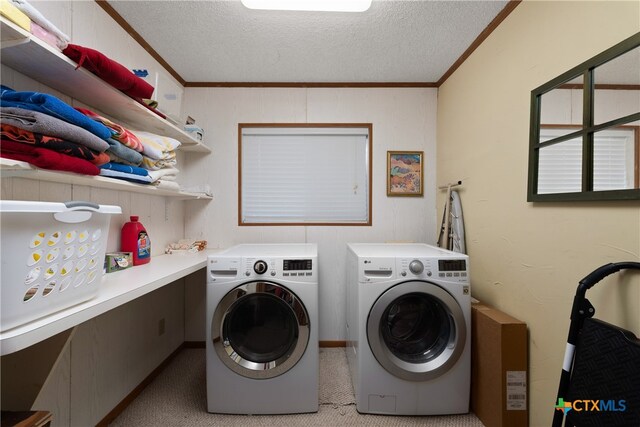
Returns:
(600, 380)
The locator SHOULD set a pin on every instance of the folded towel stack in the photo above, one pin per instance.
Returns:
(114, 74)
(120, 133)
(41, 27)
(127, 173)
(156, 147)
(154, 154)
(165, 178)
(45, 158)
(52, 106)
(45, 124)
(15, 134)
(110, 71)
(46, 132)
(8, 10)
(124, 151)
(159, 157)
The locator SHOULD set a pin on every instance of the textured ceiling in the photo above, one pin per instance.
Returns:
(394, 41)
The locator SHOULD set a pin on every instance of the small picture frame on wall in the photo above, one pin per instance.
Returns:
(405, 173)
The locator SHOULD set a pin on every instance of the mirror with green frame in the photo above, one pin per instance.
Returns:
(584, 141)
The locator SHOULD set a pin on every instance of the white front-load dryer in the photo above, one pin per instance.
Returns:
(262, 329)
(408, 329)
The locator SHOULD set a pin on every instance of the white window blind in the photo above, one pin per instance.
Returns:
(560, 165)
(613, 157)
(304, 175)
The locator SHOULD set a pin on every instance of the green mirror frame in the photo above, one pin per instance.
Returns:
(585, 133)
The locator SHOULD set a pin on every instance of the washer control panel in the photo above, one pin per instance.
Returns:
(279, 268)
(448, 269)
(299, 269)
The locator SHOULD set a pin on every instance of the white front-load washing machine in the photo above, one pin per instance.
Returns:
(408, 329)
(262, 329)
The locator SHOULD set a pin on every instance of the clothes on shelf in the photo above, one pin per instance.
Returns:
(15, 15)
(120, 133)
(45, 124)
(120, 153)
(154, 165)
(157, 147)
(18, 135)
(49, 104)
(165, 178)
(45, 158)
(159, 157)
(46, 36)
(62, 40)
(112, 72)
(127, 173)
(46, 132)
(166, 174)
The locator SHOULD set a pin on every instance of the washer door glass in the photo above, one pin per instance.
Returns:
(261, 327)
(416, 330)
(260, 330)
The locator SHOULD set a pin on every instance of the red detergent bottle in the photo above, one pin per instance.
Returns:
(134, 238)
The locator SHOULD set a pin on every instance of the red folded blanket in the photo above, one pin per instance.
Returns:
(45, 158)
(60, 145)
(109, 70)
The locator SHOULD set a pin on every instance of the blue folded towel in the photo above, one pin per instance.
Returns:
(49, 104)
(119, 167)
(139, 179)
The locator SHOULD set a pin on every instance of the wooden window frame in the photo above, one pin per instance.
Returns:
(368, 126)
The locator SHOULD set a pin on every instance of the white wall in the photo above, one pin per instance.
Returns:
(403, 119)
(527, 258)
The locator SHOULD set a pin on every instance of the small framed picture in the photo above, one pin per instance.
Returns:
(405, 173)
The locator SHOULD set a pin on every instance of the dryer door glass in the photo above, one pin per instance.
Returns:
(260, 329)
(416, 327)
(416, 330)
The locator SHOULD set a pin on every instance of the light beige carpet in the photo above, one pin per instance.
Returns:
(177, 397)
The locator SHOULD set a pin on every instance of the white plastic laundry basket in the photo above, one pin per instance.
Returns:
(52, 256)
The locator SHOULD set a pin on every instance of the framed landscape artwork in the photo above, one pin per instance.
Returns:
(405, 173)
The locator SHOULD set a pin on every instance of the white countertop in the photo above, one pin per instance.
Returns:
(116, 289)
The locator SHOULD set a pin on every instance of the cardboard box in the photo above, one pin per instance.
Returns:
(499, 373)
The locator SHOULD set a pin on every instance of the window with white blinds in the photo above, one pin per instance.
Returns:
(305, 174)
(560, 165)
